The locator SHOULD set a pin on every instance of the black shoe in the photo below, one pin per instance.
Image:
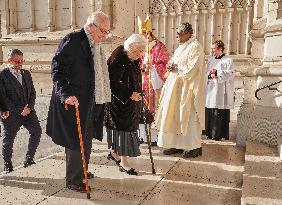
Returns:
(8, 167)
(171, 151)
(154, 144)
(111, 157)
(79, 187)
(28, 163)
(131, 171)
(193, 153)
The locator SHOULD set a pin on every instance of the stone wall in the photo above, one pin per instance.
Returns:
(260, 119)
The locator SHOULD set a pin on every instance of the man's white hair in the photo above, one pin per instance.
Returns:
(97, 17)
(134, 40)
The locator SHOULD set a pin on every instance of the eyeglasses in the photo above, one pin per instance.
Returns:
(18, 62)
(102, 31)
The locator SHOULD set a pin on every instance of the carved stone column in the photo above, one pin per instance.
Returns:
(248, 28)
(4, 5)
(187, 16)
(164, 17)
(213, 11)
(92, 4)
(52, 15)
(229, 36)
(196, 14)
(173, 29)
(32, 8)
(240, 10)
(12, 16)
(73, 14)
(204, 12)
(221, 12)
(156, 25)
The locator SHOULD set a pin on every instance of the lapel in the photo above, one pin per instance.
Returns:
(13, 81)
(86, 48)
(25, 82)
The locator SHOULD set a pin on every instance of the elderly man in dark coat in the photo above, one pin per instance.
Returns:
(80, 76)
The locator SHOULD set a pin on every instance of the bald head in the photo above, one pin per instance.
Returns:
(98, 17)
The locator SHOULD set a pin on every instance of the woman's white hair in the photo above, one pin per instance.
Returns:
(134, 40)
(97, 17)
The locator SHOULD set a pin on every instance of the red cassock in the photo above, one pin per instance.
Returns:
(159, 57)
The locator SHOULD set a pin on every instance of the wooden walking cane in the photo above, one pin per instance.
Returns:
(81, 148)
(147, 133)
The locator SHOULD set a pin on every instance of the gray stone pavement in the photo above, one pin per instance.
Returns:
(46, 146)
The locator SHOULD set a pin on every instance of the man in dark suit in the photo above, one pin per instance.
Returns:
(80, 76)
(18, 90)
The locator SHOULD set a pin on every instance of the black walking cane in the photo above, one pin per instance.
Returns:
(148, 133)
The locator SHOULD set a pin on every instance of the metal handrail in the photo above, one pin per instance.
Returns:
(266, 86)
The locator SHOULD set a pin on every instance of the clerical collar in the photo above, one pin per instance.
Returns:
(219, 57)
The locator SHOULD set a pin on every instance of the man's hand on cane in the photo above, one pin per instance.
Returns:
(72, 100)
(5, 115)
(135, 96)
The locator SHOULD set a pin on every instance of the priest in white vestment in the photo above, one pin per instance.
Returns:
(180, 118)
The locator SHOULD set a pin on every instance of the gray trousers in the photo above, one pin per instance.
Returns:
(11, 127)
(74, 164)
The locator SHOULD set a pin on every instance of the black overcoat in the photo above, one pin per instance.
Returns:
(3, 105)
(125, 78)
(73, 75)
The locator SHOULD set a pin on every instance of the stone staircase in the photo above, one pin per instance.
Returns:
(262, 178)
(215, 178)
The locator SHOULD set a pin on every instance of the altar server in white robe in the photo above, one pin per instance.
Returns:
(219, 93)
(180, 117)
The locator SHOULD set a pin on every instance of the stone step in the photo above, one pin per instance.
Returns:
(260, 201)
(198, 171)
(260, 149)
(223, 152)
(171, 192)
(262, 187)
(263, 166)
(213, 151)
(262, 179)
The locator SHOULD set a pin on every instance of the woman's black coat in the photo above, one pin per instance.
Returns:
(72, 74)
(123, 113)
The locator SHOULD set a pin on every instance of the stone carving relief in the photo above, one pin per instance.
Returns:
(228, 20)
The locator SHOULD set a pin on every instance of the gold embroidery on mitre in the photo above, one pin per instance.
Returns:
(145, 27)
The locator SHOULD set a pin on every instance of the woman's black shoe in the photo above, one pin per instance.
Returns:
(8, 167)
(131, 171)
(111, 157)
(28, 163)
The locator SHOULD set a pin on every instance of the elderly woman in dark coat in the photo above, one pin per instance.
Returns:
(123, 112)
